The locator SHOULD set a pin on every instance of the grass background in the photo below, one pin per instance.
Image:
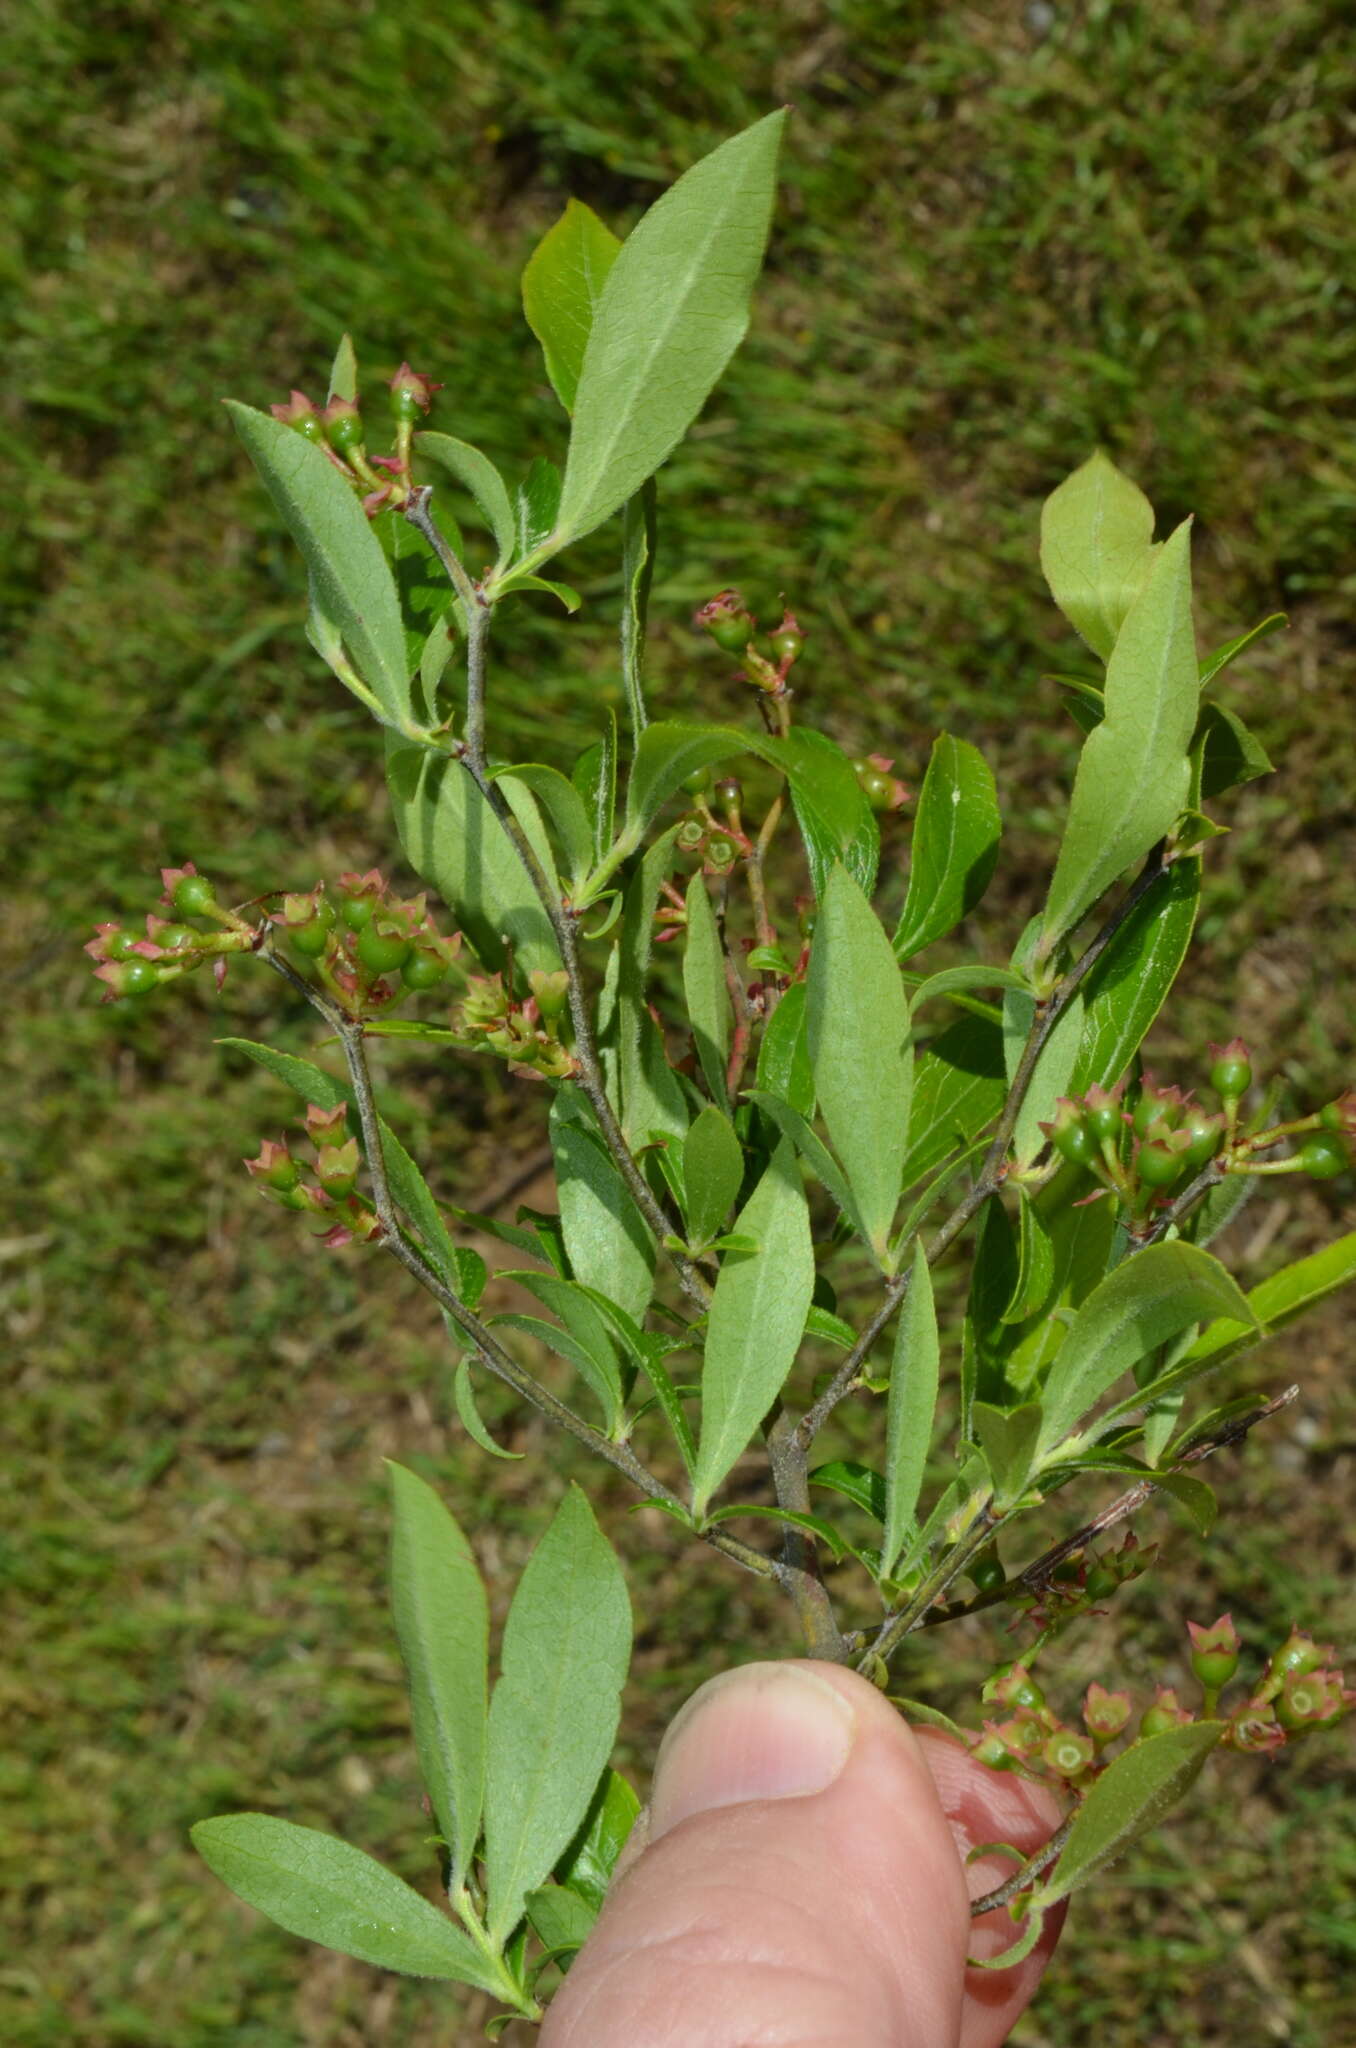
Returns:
(1005, 234)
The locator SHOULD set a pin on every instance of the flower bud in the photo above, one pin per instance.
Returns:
(1214, 1652)
(728, 620)
(1231, 1069)
(301, 415)
(411, 394)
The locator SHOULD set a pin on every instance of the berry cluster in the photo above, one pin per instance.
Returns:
(332, 1191)
(1147, 1152)
(369, 947)
(1301, 1689)
(767, 661)
(132, 966)
(338, 429)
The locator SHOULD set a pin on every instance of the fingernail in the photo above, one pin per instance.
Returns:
(765, 1731)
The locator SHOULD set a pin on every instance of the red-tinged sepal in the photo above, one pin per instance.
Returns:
(337, 1167)
(1105, 1714)
(327, 1128)
(275, 1167)
(411, 393)
(1166, 1712)
(1214, 1652)
(300, 414)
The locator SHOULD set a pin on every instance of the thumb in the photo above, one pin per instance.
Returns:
(800, 1882)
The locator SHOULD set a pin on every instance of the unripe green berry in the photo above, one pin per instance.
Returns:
(1205, 1133)
(1105, 1120)
(698, 782)
(1231, 1071)
(311, 939)
(174, 937)
(118, 945)
(423, 970)
(381, 952)
(139, 976)
(1076, 1143)
(1157, 1166)
(787, 642)
(727, 790)
(878, 789)
(356, 911)
(987, 1573)
(1324, 1155)
(193, 896)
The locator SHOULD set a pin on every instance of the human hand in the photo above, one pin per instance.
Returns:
(799, 1878)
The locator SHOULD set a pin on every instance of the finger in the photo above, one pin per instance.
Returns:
(800, 1884)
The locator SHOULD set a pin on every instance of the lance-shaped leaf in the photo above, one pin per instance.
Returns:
(477, 474)
(860, 1048)
(442, 1621)
(344, 371)
(1126, 989)
(327, 1891)
(784, 1068)
(756, 1321)
(672, 311)
(1053, 1068)
(564, 807)
(608, 1242)
(955, 844)
(1142, 1303)
(553, 1715)
(910, 1407)
(1224, 754)
(713, 1168)
(836, 821)
(1275, 1302)
(959, 1086)
(583, 1341)
(1133, 774)
(652, 1096)
(588, 1863)
(708, 997)
(351, 582)
(536, 505)
(452, 838)
(639, 524)
(1007, 1437)
(1097, 533)
(1132, 1795)
(562, 285)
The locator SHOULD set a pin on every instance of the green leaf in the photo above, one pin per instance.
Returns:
(562, 284)
(1142, 1303)
(1007, 1437)
(959, 1086)
(442, 1622)
(1133, 775)
(639, 521)
(836, 821)
(910, 1407)
(564, 807)
(756, 1321)
(1231, 649)
(1097, 534)
(477, 474)
(811, 1148)
(554, 1712)
(452, 838)
(671, 313)
(788, 1518)
(424, 593)
(588, 1863)
(955, 844)
(1224, 754)
(1274, 1303)
(1081, 1237)
(1132, 1795)
(344, 372)
(536, 504)
(513, 583)
(1036, 1262)
(713, 1170)
(1126, 989)
(561, 1919)
(326, 1891)
(784, 1068)
(952, 978)
(351, 583)
(855, 1482)
(608, 1242)
(461, 1269)
(594, 775)
(858, 1022)
(583, 1342)
(1053, 1068)
(708, 998)
(463, 1393)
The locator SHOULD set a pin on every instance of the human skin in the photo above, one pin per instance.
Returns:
(799, 1881)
